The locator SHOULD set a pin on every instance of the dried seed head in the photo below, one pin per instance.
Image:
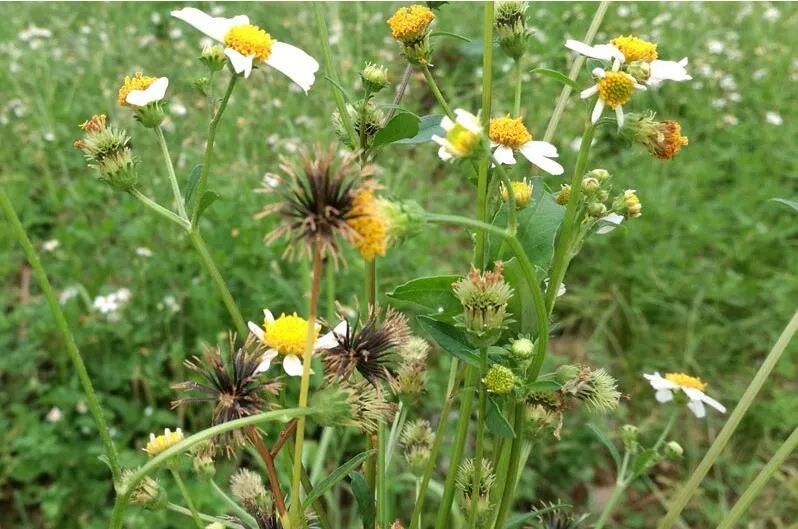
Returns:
(248, 489)
(595, 388)
(148, 493)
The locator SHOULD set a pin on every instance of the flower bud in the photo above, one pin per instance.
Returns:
(108, 150)
(590, 185)
(331, 406)
(374, 77)
(151, 116)
(499, 379)
(597, 210)
(484, 296)
(629, 204)
(640, 70)
(213, 57)
(629, 434)
(202, 460)
(522, 348)
(602, 175)
(510, 23)
(522, 192)
(564, 195)
(248, 489)
(417, 439)
(673, 450)
(203, 84)
(147, 493)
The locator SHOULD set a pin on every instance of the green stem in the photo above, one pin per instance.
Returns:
(562, 252)
(759, 481)
(307, 485)
(479, 446)
(205, 517)
(517, 98)
(159, 209)
(396, 431)
(370, 285)
(436, 91)
(329, 283)
(512, 223)
(202, 184)
(247, 518)
(382, 481)
(170, 170)
(66, 335)
(728, 429)
(187, 498)
(329, 70)
(617, 494)
(666, 430)
(224, 292)
(513, 466)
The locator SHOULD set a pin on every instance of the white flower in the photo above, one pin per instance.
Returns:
(246, 43)
(614, 88)
(509, 134)
(49, 246)
(153, 93)
(668, 71)
(462, 135)
(285, 336)
(143, 251)
(692, 387)
(609, 222)
(773, 118)
(603, 52)
(54, 415)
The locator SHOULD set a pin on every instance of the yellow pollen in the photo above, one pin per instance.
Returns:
(138, 82)
(462, 140)
(672, 140)
(635, 49)
(686, 381)
(509, 132)
(616, 88)
(287, 334)
(158, 444)
(410, 24)
(522, 191)
(369, 224)
(249, 41)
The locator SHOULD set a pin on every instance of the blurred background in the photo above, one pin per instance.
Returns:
(703, 282)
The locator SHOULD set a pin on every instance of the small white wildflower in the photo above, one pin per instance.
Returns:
(692, 387)
(143, 251)
(51, 245)
(773, 118)
(54, 415)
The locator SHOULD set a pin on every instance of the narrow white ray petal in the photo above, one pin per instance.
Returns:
(697, 407)
(256, 330)
(656, 380)
(155, 92)
(266, 361)
(619, 115)
(294, 63)
(241, 63)
(504, 155)
(268, 317)
(447, 124)
(597, 111)
(663, 395)
(604, 52)
(543, 148)
(215, 27)
(547, 164)
(292, 366)
(697, 395)
(599, 72)
(589, 92)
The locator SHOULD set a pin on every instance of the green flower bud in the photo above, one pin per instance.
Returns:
(522, 348)
(151, 115)
(590, 185)
(673, 450)
(203, 84)
(640, 70)
(417, 439)
(213, 57)
(499, 379)
(629, 434)
(597, 210)
(375, 77)
(602, 175)
(564, 195)
(510, 23)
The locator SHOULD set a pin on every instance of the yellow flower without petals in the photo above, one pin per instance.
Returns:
(686, 381)
(410, 24)
(139, 81)
(168, 439)
(287, 334)
(369, 224)
(615, 88)
(522, 191)
(635, 48)
(249, 40)
(510, 132)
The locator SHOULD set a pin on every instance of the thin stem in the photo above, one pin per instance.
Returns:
(187, 498)
(418, 494)
(170, 170)
(666, 430)
(63, 329)
(159, 209)
(207, 260)
(728, 429)
(759, 481)
(271, 472)
(370, 286)
(433, 86)
(562, 252)
(517, 98)
(247, 518)
(512, 223)
(513, 466)
(479, 446)
(205, 517)
(284, 435)
(202, 184)
(617, 494)
(304, 389)
(382, 478)
(307, 485)
(400, 93)
(329, 284)
(396, 431)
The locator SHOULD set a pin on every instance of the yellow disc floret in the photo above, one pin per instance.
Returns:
(671, 142)
(158, 444)
(616, 88)
(410, 24)
(686, 381)
(522, 191)
(249, 41)
(509, 132)
(287, 334)
(138, 82)
(635, 48)
(369, 224)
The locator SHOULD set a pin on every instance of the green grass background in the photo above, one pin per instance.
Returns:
(703, 282)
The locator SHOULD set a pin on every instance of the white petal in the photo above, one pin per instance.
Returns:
(447, 124)
(589, 92)
(504, 155)
(610, 222)
(292, 365)
(443, 154)
(256, 330)
(697, 395)
(597, 110)
(542, 148)
(604, 52)
(266, 361)
(268, 317)
(241, 63)
(697, 407)
(656, 380)
(155, 92)
(619, 115)
(663, 395)
(329, 340)
(215, 27)
(294, 63)
(715, 404)
(547, 164)
(468, 120)
(599, 72)
(668, 71)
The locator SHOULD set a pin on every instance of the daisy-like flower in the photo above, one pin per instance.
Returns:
(159, 443)
(510, 134)
(246, 43)
(142, 90)
(285, 336)
(692, 387)
(614, 89)
(463, 136)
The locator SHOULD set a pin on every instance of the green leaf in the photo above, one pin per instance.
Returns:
(365, 499)
(402, 126)
(608, 444)
(428, 127)
(557, 76)
(496, 422)
(432, 296)
(207, 199)
(449, 34)
(643, 461)
(544, 386)
(450, 339)
(337, 475)
(193, 178)
(790, 203)
(338, 87)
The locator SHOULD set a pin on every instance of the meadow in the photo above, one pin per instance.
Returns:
(705, 280)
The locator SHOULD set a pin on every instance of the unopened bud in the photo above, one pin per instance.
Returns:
(640, 70)
(375, 77)
(629, 434)
(590, 185)
(602, 175)
(522, 348)
(597, 210)
(203, 84)
(673, 450)
(499, 379)
(564, 195)
(213, 57)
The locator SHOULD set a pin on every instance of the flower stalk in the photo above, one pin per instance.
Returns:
(187, 497)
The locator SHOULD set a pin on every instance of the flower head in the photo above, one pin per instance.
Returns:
(631, 203)
(510, 134)
(109, 151)
(484, 296)
(692, 387)
(411, 27)
(235, 392)
(369, 224)
(635, 48)
(522, 192)
(245, 44)
(159, 443)
(663, 139)
(284, 336)
(142, 90)
(614, 89)
(463, 136)
(510, 22)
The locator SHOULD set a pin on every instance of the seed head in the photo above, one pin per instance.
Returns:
(417, 438)
(148, 493)
(371, 121)
(484, 296)
(248, 489)
(499, 379)
(595, 388)
(510, 24)
(108, 150)
(465, 483)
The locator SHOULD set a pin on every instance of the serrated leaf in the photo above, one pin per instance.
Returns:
(449, 34)
(364, 497)
(338, 474)
(428, 127)
(608, 445)
(193, 178)
(402, 126)
(643, 461)
(791, 203)
(557, 76)
(430, 296)
(207, 200)
(450, 339)
(496, 422)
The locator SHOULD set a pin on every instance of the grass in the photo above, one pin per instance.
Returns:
(703, 282)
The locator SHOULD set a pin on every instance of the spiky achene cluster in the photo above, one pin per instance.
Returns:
(108, 149)
(235, 393)
(484, 296)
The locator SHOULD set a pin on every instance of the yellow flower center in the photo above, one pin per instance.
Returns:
(616, 88)
(462, 140)
(138, 82)
(635, 49)
(158, 444)
(522, 191)
(410, 24)
(686, 381)
(287, 334)
(672, 140)
(369, 224)
(509, 132)
(249, 40)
